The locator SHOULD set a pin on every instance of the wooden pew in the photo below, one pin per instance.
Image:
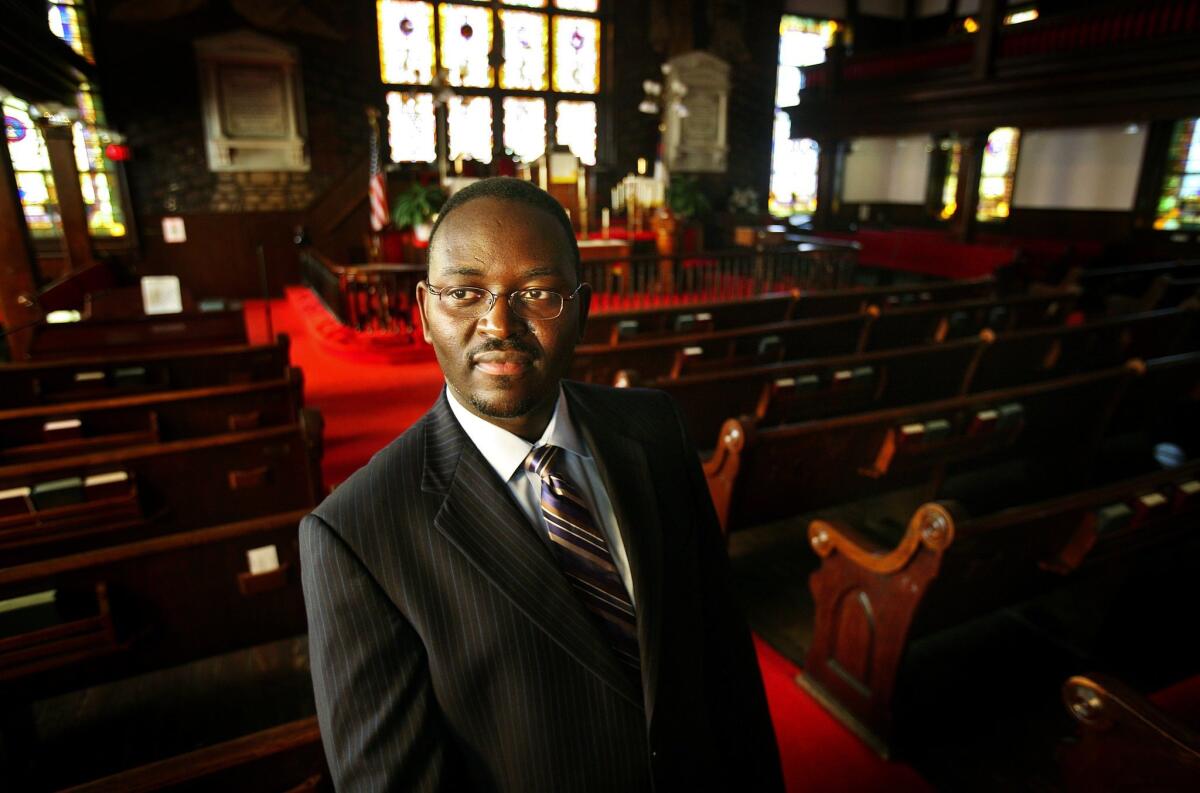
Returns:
(845, 301)
(164, 332)
(875, 594)
(618, 326)
(1040, 353)
(675, 356)
(907, 326)
(92, 500)
(288, 758)
(647, 323)
(838, 385)
(1125, 741)
(759, 475)
(81, 619)
(69, 428)
(79, 378)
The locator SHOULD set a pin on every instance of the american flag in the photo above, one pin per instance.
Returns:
(377, 183)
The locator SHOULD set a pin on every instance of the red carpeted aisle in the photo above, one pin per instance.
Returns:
(366, 404)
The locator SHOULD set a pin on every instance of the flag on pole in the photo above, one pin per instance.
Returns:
(377, 181)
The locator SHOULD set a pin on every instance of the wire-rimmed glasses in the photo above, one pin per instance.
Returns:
(472, 302)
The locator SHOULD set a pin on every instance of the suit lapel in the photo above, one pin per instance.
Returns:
(629, 478)
(480, 517)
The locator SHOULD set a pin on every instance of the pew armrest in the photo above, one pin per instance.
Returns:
(721, 470)
(931, 526)
(1125, 742)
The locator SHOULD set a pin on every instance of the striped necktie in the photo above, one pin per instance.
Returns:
(583, 553)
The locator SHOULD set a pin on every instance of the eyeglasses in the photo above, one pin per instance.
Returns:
(472, 302)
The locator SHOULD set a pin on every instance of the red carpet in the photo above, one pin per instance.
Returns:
(365, 405)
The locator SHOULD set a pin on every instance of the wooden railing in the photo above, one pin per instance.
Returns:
(376, 298)
(380, 297)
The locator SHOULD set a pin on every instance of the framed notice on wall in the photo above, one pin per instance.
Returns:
(697, 107)
(253, 113)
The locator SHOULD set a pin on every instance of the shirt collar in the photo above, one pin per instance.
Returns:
(504, 451)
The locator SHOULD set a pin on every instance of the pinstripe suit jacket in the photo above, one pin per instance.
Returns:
(449, 652)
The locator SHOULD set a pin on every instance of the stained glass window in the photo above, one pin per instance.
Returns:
(576, 55)
(997, 171)
(31, 163)
(525, 127)
(411, 127)
(524, 50)
(406, 41)
(576, 129)
(466, 42)
(953, 152)
(470, 126)
(802, 42)
(97, 176)
(68, 21)
(528, 61)
(1179, 206)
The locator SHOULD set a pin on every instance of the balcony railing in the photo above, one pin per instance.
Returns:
(380, 298)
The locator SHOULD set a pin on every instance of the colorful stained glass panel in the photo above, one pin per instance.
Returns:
(1179, 204)
(575, 127)
(470, 126)
(998, 168)
(405, 41)
(466, 42)
(525, 127)
(803, 41)
(576, 54)
(25, 144)
(577, 5)
(526, 3)
(411, 127)
(69, 24)
(525, 47)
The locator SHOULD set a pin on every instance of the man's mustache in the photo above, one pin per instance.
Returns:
(505, 345)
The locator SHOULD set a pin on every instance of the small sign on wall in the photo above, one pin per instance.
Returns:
(161, 294)
(174, 231)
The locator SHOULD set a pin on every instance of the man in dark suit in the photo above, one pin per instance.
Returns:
(527, 590)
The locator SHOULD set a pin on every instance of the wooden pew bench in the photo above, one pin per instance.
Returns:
(160, 333)
(70, 428)
(79, 378)
(675, 356)
(908, 326)
(759, 475)
(617, 326)
(1040, 353)
(285, 758)
(875, 595)
(81, 619)
(780, 393)
(87, 501)
(1128, 741)
(845, 301)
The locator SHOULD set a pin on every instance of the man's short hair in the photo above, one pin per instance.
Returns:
(507, 188)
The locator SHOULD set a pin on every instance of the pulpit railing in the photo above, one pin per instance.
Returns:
(380, 298)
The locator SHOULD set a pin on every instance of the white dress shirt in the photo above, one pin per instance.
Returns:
(506, 452)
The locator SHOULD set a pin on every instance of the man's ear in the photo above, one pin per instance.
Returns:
(584, 297)
(422, 296)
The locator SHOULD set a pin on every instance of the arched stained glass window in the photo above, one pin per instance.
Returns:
(996, 174)
(1179, 205)
(536, 63)
(98, 177)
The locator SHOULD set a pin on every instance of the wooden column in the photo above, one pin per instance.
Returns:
(969, 171)
(987, 40)
(77, 242)
(18, 281)
(827, 166)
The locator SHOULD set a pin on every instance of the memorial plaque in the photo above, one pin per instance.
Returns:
(254, 101)
(697, 107)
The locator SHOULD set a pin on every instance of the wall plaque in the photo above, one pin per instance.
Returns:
(697, 107)
(253, 111)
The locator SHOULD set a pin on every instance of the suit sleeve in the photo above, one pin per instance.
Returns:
(380, 723)
(733, 679)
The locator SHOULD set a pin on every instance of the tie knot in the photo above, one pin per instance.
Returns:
(541, 459)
